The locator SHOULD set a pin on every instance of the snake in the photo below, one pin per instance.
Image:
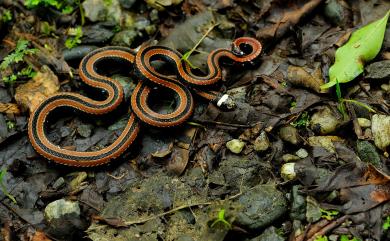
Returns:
(182, 82)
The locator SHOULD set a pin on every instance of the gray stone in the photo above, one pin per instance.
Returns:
(289, 134)
(262, 205)
(100, 10)
(261, 143)
(378, 70)
(63, 218)
(324, 121)
(270, 234)
(380, 126)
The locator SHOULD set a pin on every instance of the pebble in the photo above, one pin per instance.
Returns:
(270, 234)
(363, 122)
(287, 171)
(378, 70)
(63, 217)
(289, 134)
(290, 157)
(302, 153)
(380, 128)
(262, 142)
(262, 205)
(235, 146)
(324, 121)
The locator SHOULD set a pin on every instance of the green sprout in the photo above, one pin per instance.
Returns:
(7, 16)
(77, 33)
(17, 56)
(303, 120)
(386, 223)
(345, 237)
(342, 101)
(3, 187)
(221, 219)
(59, 5)
(321, 238)
(10, 124)
(187, 54)
(328, 214)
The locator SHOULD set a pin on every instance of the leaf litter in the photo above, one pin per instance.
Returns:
(175, 184)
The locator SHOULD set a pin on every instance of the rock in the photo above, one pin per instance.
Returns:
(101, 10)
(287, 171)
(313, 210)
(161, 4)
(324, 121)
(325, 142)
(337, 12)
(96, 34)
(262, 142)
(367, 153)
(298, 205)
(290, 158)
(380, 127)
(63, 218)
(235, 145)
(270, 234)
(127, 4)
(124, 38)
(363, 122)
(262, 205)
(302, 153)
(58, 183)
(378, 70)
(386, 88)
(289, 134)
(84, 130)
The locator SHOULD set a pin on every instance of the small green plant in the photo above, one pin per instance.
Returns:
(72, 42)
(15, 57)
(386, 223)
(328, 214)
(342, 101)
(7, 16)
(187, 54)
(321, 238)
(302, 121)
(345, 237)
(221, 219)
(62, 6)
(3, 187)
(10, 124)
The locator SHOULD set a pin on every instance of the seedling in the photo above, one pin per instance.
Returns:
(303, 120)
(3, 187)
(321, 238)
(76, 40)
(187, 54)
(386, 223)
(328, 214)
(221, 219)
(344, 237)
(7, 16)
(17, 56)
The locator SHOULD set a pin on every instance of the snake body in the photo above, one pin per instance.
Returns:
(140, 109)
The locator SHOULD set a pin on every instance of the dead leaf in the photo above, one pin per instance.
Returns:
(300, 77)
(42, 85)
(9, 108)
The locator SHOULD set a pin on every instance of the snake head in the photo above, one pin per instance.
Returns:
(226, 102)
(236, 50)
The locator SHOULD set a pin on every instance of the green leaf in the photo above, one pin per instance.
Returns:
(364, 44)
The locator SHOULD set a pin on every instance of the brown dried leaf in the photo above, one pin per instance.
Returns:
(30, 94)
